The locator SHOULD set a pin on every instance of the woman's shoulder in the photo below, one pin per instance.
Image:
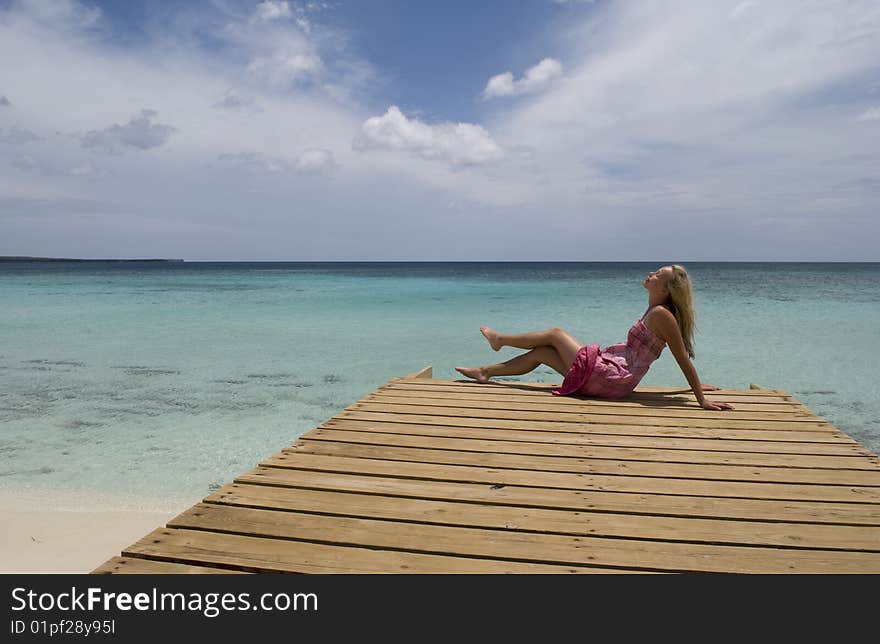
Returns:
(659, 311)
(658, 320)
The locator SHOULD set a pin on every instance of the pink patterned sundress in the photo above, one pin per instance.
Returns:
(614, 371)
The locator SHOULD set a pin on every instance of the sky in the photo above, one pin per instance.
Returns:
(388, 130)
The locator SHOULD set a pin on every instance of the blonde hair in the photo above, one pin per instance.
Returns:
(681, 298)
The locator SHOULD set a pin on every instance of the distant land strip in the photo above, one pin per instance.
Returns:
(10, 258)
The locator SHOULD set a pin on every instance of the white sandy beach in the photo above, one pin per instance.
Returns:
(46, 531)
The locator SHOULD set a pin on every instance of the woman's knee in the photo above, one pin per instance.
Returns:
(565, 344)
(561, 338)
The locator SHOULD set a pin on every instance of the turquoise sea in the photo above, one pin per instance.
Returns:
(167, 380)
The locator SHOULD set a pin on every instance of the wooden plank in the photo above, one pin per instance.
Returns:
(656, 395)
(528, 390)
(497, 445)
(519, 546)
(567, 499)
(334, 461)
(588, 404)
(869, 480)
(137, 566)
(569, 402)
(637, 413)
(613, 440)
(541, 520)
(539, 386)
(658, 421)
(623, 429)
(254, 554)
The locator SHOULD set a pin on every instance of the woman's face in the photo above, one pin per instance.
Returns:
(656, 281)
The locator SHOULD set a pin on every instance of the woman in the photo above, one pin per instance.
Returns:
(615, 371)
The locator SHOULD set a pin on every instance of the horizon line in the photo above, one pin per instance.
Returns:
(27, 258)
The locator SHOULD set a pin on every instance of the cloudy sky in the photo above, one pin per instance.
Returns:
(456, 130)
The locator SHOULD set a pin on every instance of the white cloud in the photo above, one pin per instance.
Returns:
(723, 112)
(871, 114)
(311, 161)
(17, 136)
(58, 168)
(279, 57)
(139, 133)
(59, 14)
(27, 163)
(4, 102)
(233, 100)
(283, 69)
(315, 161)
(743, 8)
(272, 10)
(88, 170)
(256, 162)
(304, 24)
(536, 78)
(460, 143)
(287, 53)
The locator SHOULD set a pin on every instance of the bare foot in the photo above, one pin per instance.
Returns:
(474, 373)
(492, 337)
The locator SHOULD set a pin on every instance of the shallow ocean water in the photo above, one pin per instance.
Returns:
(170, 379)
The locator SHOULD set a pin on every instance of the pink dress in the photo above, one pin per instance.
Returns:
(615, 371)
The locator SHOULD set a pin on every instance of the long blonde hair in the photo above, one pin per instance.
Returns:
(681, 299)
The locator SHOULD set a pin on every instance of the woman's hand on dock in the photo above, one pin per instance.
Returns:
(708, 404)
(710, 387)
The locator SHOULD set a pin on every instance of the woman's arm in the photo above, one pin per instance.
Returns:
(672, 335)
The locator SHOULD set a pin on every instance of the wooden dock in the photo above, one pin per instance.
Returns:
(443, 476)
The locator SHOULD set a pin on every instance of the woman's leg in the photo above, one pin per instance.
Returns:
(519, 365)
(566, 346)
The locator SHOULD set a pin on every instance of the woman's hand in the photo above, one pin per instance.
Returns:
(708, 404)
(711, 387)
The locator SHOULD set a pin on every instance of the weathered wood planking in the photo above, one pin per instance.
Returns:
(442, 476)
(132, 566)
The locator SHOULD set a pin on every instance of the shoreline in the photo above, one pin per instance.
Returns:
(57, 531)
